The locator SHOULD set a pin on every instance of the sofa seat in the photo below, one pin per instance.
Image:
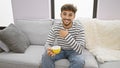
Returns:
(113, 64)
(30, 59)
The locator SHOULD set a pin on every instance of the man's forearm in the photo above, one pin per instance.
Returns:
(73, 43)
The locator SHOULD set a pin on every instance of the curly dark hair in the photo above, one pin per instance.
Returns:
(69, 7)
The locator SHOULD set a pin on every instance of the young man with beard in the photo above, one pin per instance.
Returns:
(70, 36)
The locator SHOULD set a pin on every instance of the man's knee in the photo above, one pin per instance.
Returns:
(79, 60)
(46, 57)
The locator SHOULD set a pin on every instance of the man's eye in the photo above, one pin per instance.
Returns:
(64, 13)
(70, 15)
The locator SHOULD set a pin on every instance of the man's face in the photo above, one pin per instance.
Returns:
(67, 17)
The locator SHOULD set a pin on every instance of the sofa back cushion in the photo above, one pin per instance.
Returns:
(36, 30)
(4, 47)
(14, 38)
(108, 38)
(103, 38)
(108, 33)
(90, 34)
(101, 33)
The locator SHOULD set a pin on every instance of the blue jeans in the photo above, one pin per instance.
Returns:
(76, 60)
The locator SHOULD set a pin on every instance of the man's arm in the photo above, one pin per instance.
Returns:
(51, 38)
(50, 42)
(76, 43)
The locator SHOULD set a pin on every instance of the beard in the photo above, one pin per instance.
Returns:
(66, 22)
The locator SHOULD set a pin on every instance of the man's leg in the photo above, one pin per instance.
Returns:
(49, 61)
(76, 60)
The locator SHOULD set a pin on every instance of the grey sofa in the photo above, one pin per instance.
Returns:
(37, 31)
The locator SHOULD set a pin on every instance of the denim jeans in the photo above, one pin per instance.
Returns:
(76, 60)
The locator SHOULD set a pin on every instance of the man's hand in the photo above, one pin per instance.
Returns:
(63, 33)
(50, 52)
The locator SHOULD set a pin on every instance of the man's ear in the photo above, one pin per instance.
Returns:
(74, 16)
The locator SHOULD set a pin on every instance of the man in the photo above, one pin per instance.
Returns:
(70, 36)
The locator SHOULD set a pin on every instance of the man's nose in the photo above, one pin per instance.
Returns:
(67, 17)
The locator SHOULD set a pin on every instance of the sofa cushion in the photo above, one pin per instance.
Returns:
(4, 47)
(106, 54)
(36, 30)
(63, 63)
(108, 44)
(14, 39)
(31, 58)
(105, 37)
(90, 32)
(104, 33)
(113, 64)
(108, 33)
(90, 61)
(1, 50)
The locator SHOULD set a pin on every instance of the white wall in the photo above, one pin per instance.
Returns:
(6, 16)
(108, 9)
(31, 9)
(40, 9)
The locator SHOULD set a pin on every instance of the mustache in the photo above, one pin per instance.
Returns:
(67, 19)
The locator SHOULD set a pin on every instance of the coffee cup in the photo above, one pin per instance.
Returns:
(56, 49)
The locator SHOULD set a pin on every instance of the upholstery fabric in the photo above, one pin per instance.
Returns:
(4, 47)
(90, 32)
(104, 33)
(113, 64)
(1, 50)
(14, 39)
(36, 30)
(106, 54)
(90, 61)
(108, 33)
(31, 58)
(105, 37)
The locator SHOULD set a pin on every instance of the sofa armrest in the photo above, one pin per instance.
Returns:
(90, 61)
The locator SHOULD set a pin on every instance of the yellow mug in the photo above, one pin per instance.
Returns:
(56, 49)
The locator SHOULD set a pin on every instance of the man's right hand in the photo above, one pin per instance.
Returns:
(50, 52)
(63, 33)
